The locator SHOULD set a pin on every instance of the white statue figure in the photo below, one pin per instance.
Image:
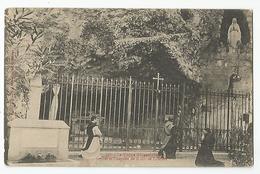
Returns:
(234, 35)
(54, 103)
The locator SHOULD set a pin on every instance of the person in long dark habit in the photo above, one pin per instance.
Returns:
(91, 149)
(169, 147)
(205, 156)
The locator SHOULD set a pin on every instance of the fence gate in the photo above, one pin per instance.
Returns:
(129, 110)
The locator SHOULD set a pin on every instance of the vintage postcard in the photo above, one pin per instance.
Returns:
(128, 87)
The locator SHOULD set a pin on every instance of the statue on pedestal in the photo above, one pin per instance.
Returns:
(35, 97)
(54, 103)
(234, 36)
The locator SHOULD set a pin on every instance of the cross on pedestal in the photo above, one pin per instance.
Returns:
(158, 79)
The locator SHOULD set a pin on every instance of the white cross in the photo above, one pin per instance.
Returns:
(158, 78)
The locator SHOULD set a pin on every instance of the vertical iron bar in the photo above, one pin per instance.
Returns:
(191, 145)
(225, 98)
(71, 99)
(221, 110)
(148, 104)
(160, 116)
(124, 107)
(86, 100)
(85, 109)
(228, 120)
(210, 108)
(129, 112)
(80, 109)
(110, 104)
(66, 99)
(91, 95)
(44, 105)
(156, 115)
(61, 94)
(242, 110)
(178, 107)
(199, 121)
(135, 88)
(119, 107)
(76, 110)
(182, 114)
(161, 103)
(96, 94)
(151, 117)
(143, 106)
(100, 106)
(101, 97)
(170, 99)
(50, 101)
(206, 109)
(105, 109)
(213, 110)
(178, 98)
(115, 104)
(174, 100)
(165, 99)
(147, 112)
(76, 104)
(217, 119)
(139, 101)
(249, 103)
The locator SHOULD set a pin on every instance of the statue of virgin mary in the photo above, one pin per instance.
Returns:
(234, 35)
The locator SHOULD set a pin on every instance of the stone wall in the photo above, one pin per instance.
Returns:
(216, 72)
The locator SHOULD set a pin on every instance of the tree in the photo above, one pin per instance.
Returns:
(21, 34)
(111, 42)
(130, 37)
(28, 51)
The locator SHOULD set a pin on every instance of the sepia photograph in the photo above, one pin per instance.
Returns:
(127, 87)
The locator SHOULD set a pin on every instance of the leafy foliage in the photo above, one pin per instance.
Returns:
(39, 158)
(132, 37)
(108, 42)
(21, 35)
(241, 159)
(96, 33)
(244, 156)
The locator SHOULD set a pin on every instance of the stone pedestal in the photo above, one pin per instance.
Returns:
(38, 136)
(35, 98)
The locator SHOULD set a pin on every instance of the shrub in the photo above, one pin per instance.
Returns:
(30, 158)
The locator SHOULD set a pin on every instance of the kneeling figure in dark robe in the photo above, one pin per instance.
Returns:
(169, 147)
(205, 156)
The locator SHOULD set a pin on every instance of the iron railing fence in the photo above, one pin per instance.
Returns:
(129, 112)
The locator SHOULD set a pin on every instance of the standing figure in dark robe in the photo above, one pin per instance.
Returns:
(205, 156)
(169, 147)
(91, 149)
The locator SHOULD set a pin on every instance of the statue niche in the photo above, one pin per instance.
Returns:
(227, 25)
(234, 36)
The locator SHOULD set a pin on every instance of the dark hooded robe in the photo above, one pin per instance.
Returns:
(205, 156)
(91, 149)
(169, 147)
(90, 135)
